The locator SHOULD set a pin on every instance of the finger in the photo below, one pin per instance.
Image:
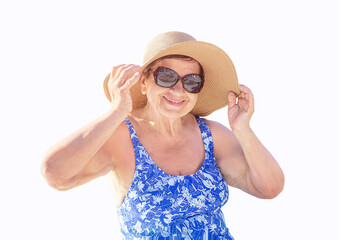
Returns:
(245, 91)
(247, 95)
(244, 88)
(115, 69)
(129, 70)
(121, 74)
(232, 99)
(125, 71)
(130, 82)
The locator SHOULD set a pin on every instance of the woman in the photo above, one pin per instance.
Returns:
(169, 166)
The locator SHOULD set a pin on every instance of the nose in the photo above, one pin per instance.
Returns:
(178, 87)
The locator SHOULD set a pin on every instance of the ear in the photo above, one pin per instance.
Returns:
(143, 84)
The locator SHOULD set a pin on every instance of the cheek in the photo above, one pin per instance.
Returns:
(154, 93)
(150, 85)
(193, 98)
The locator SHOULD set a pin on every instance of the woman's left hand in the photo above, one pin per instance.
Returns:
(241, 111)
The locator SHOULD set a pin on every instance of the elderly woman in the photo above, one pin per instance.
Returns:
(170, 168)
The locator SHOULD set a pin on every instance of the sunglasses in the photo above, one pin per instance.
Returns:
(165, 77)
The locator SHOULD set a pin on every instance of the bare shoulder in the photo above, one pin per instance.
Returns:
(119, 144)
(223, 139)
(217, 127)
(121, 133)
(228, 154)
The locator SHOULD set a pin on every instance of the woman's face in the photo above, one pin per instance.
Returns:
(171, 102)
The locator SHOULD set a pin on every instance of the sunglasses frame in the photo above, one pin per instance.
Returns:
(179, 78)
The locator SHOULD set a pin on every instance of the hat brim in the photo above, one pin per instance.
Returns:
(219, 73)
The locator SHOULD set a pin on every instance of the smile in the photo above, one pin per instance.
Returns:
(174, 101)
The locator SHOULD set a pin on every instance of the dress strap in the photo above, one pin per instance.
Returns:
(206, 135)
(134, 137)
(129, 125)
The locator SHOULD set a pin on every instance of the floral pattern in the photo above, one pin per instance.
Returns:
(163, 206)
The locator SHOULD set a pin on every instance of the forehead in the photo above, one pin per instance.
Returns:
(180, 65)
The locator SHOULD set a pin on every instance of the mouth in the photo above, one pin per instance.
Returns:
(174, 101)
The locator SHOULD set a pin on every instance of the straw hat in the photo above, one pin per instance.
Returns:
(219, 72)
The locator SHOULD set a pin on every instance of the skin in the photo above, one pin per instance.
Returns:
(164, 126)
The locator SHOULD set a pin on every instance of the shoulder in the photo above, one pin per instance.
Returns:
(219, 131)
(228, 154)
(226, 145)
(119, 145)
(121, 133)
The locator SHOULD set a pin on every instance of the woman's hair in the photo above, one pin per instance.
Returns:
(147, 70)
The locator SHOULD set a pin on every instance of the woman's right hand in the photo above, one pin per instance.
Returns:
(119, 85)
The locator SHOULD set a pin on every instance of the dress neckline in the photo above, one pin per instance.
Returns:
(203, 136)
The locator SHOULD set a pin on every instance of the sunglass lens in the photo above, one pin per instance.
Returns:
(193, 83)
(166, 78)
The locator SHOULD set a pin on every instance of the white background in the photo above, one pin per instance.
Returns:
(54, 56)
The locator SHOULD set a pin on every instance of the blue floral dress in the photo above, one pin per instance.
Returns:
(163, 206)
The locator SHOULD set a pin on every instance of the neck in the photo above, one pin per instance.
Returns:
(163, 125)
(168, 127)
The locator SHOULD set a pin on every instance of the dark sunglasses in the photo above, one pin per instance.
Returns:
(165, 77)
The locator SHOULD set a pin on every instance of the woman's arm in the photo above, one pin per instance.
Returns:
(87, 154)
(243, 159)
(82, 151)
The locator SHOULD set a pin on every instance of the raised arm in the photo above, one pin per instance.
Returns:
(243, 159)
(87, 153)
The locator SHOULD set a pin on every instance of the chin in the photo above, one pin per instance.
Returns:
(175, 113)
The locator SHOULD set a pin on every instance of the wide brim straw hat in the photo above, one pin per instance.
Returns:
(219, 72)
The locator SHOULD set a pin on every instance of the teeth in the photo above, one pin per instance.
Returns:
(172, 100)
